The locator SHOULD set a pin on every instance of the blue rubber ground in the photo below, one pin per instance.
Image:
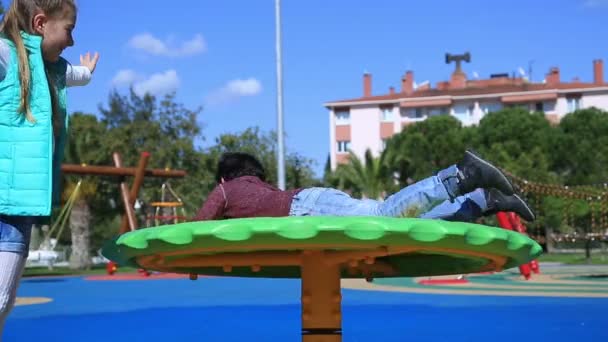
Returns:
(244, 309)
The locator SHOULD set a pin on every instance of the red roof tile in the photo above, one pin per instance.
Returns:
(472, 91)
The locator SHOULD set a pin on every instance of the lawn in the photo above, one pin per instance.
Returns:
(574, 258)
(59, 271)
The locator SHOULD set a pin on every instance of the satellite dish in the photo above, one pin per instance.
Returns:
(521, 71)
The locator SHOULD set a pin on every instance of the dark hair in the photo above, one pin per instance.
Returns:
(237, 164)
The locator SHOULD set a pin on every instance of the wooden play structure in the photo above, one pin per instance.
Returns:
(128, 196)
(169, 210)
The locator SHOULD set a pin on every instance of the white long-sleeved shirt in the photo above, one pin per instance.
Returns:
(75, 75)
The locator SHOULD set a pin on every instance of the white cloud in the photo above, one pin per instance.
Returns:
(146, 42)
(155, 84)
(124, 77)
(233, 90)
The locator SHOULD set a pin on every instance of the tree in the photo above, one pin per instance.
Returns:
(298, 169)
(83, 146)
(298, 172)
(518, 141)
(367, 178)
(582, 147)
(164, 128)
(424, 148)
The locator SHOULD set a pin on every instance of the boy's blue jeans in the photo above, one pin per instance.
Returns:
(434, 197)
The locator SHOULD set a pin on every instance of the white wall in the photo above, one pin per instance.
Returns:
(462, 111)
(365, 130)
(332, 139)
(561, 108)
(599, 100)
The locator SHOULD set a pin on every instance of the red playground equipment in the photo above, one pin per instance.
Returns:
(510, 221)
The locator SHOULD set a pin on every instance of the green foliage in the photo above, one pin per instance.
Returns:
(425, 147)
(368, 178)
(298, 169)
(518, 141)
(583, 147)
(165, 129)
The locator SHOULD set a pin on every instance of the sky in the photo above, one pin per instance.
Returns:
(221, 54)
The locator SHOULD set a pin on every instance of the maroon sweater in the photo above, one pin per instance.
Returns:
(246, 196)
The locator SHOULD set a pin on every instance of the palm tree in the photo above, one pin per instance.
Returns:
(80, 225)
(396, 162)
(368, 178)
(83, 147)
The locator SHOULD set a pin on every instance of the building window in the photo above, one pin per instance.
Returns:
(342, 117)
(386, 113)
(574, 104)
(413, 113)
(383, 144)
(435, 111)
(343, 146)
(461, 110)
(491, 107)
(539, 107)
(549, 106)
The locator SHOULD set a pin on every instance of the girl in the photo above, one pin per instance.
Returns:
(33, 124)
(461, 192)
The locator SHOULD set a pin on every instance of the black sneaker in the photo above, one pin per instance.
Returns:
(497, 201)
(478, 173)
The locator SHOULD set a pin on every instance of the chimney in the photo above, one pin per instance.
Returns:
(407, 83)
(391, 90)
(598, 71)
(553, 76)
(367, 84)
(458, 80)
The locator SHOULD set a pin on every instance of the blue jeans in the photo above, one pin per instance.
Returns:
(465, 208)
(433, 197)
(15, 232)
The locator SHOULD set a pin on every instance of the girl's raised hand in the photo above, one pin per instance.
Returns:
(89, 61)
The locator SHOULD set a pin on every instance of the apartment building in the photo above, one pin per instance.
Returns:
(366, 122)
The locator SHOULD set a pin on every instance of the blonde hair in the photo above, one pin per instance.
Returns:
(19, 18)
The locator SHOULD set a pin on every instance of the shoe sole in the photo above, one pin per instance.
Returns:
(509, 191)
(527, 208)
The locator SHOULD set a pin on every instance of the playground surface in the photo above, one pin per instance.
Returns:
(563, 303)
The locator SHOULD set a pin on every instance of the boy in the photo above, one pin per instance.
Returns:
(461, 192)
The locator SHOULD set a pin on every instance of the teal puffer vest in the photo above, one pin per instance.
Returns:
(30, 158)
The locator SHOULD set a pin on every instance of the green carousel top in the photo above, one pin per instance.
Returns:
(364, 246)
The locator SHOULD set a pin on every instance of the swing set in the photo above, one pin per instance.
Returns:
(166, 211)
(46, 251)
(128, 196)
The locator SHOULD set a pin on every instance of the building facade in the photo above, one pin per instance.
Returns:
(366, 122)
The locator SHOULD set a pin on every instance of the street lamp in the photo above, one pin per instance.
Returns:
(280, 137)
